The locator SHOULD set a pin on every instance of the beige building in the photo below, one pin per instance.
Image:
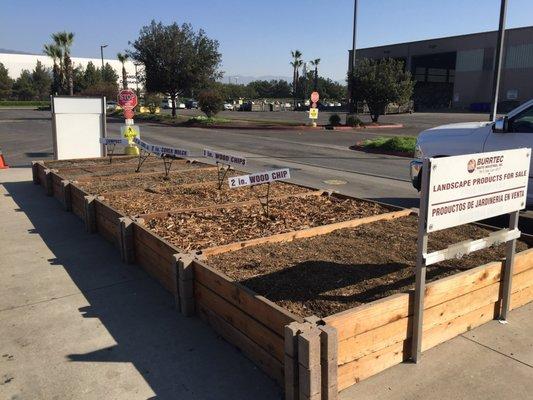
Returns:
(457, 71)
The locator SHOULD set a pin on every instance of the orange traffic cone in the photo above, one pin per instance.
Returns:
(3, 164)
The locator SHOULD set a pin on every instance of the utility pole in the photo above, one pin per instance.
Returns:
(102, 56)
(352, 102)
(498, 61)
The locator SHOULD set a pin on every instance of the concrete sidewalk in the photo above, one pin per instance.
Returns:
(76, 323)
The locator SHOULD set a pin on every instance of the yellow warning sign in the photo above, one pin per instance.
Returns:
(313, 113)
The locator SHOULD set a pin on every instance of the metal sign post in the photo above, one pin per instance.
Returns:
(222, 171)
(261, 178)
(510, 249)
(106, 142)
(420, 282)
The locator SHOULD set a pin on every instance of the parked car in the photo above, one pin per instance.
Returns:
(515, 130)
(111, 105)
(167, 103)
(191, 104)
(228, 107)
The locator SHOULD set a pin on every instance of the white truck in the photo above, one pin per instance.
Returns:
(515, 130)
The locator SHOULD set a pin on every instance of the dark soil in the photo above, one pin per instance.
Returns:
(200, 230)
(115, 169)
(156, 183)
(173, 197)
(334, 272)
(90, 162)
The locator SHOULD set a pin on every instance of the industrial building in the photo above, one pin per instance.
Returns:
(17, 62)
(457, 71)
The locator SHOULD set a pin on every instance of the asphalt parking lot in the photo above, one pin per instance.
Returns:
(319, 158)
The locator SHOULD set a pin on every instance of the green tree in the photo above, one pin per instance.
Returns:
(53, 51)
(123, 58)
(271, 89)
(315, 63)
(6, 83)
(177, 60)
(91, 76)
(109, 74)
(380, 82)
(296, 63)
(42, 81)
(64, 41)
(327, 88)
(23, 86)
(80, 84)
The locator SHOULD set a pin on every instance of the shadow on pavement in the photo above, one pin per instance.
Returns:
(179, 358)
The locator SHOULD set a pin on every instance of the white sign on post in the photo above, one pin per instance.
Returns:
(472, 187)
(225, 158)
(259, 178)
(462, 189)
(77, 124)
(160, 150)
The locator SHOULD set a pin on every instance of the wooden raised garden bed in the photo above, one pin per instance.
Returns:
(318, 293)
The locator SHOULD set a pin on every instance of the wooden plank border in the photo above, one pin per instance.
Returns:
(375, 336)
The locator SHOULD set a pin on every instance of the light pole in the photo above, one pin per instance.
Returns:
(135, 64)
(498, 61)
(102, 56)
(352, 104)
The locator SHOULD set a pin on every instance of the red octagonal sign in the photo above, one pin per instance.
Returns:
(127, 99)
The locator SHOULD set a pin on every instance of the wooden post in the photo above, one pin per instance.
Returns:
(48, 184)
(328, 360)
(290, 363)
(185, 268)
(127, 249)
(35, 171)
(309, 369)
(65, 195)
(90, 214)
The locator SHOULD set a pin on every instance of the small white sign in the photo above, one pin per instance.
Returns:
(169, 151)
(142, 144)
(472, 187)
(160, 150)
(109, 141)
(225, 158)
(259, 178)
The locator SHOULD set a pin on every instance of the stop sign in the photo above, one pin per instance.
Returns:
(315, 97)
(127, 99)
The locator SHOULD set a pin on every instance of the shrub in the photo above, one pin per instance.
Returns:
(210, 102)
(404, 144)
(334, 120)
(152, 101)
(353, 120)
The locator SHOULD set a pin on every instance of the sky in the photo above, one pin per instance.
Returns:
(255, 37)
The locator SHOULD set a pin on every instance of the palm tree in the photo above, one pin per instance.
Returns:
(64, 41)
(315, 63)
(123, 58)
(296, 63)
(53, 51)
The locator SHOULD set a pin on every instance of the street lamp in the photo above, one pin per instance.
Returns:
(102, 56)
(498, 61)
(136, 64)
(352, 105)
